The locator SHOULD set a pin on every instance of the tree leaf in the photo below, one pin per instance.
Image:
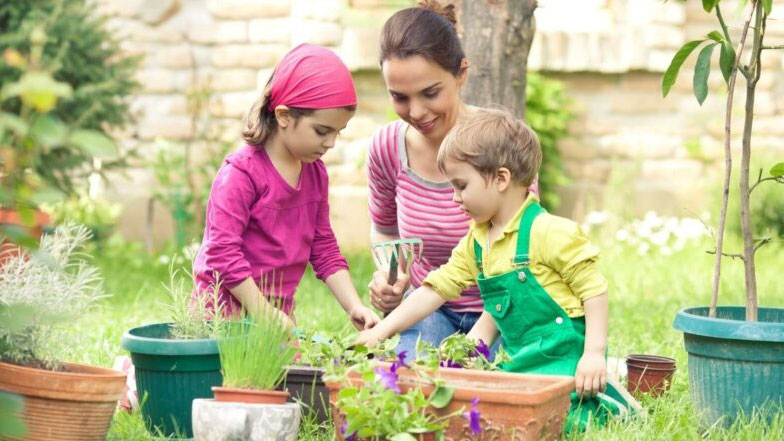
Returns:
(13, 123)
(442, 396)
(675, 65)
(708, 5)
(93, 143)
(716, 36)
(778, 170)
(767, 5)
(702, 72)
(47, 131)
(726, 60)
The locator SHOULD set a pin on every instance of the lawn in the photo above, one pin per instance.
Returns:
(646, 292)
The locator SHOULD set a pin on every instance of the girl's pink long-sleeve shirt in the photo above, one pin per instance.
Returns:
(257, 224)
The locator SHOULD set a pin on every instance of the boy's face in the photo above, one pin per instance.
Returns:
(310, 137)
(477, 196)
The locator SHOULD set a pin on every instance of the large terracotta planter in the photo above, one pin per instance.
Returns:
(74, 405)
(514, 407)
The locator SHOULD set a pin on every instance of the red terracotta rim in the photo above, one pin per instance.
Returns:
(80, 383)
(645, 358)
(254, 396)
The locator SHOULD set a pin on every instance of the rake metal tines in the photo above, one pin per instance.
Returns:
(389, 253)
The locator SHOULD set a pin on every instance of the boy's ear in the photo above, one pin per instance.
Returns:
(503, 178)
(283, 116)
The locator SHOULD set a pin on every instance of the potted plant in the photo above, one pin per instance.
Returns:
(177, 361)
(371, 404)
(254, 354)
(735, 351)
(73, 400)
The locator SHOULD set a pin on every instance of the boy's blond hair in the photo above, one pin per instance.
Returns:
(488, 139)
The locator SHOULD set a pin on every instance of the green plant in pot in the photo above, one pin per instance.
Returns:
(736, 354)
(177, 361)
(53, 288)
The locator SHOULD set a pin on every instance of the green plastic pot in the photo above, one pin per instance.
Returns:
(170, 374)
(735, 367)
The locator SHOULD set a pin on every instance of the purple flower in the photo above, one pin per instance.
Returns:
(351, 437)
(401, 361)
(481, 348)
(473, 417)
(388, 379)
(451, 364)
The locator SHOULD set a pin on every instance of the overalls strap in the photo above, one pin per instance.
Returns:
(523, 238)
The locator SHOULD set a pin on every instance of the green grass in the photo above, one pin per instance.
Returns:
(645, 292)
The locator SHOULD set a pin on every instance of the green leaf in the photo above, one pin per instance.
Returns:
(716, 36)
(767, 5)
(708, 5)
(46, 195)
(13, 123)
(701, 72)
(675, 65)
(93, 143)
(347, 392)
(404, 436)
(47, 131)
(778, 170)
(442, 396)
(726, 60)
(10, 424)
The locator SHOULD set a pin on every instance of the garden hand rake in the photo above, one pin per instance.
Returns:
(389, 254)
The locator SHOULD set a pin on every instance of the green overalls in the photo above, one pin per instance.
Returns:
(537, 333)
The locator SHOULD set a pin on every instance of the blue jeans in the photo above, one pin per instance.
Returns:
(437, 326)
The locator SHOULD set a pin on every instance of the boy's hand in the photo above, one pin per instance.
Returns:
(591, 375)
(386, 297)
(363, 317)
(369, 337)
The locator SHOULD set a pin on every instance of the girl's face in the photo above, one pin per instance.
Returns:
(424, 94)
(477, 196)
(308, 137)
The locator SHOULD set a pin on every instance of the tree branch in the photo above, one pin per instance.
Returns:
(780, 180)
(761, 243)
(777, 46)
(733, 255)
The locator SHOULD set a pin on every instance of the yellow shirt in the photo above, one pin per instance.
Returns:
(562, 260)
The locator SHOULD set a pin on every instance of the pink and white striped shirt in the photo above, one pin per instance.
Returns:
(403, 203)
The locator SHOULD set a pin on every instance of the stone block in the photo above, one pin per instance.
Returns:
(118, 8)
(663, 36)
(262, 77)
(359, 48)
(597, 170)
(349, 216)
(219, 32)
(671, 170)
(227, 421)
(169, 32)
(154, 12)
(174, 127)
(321, 33)
(156, 80)
(248, 55)
(154, 106)
(246, 9)
(327, 10)
(638, 144)
(232, 104)
(270, 30)
(178, 56)
(641, 102)
(229, 80)
(574, 148)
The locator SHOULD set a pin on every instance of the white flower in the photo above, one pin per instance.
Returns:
(596, 217)
(622, 235)
(643, 248)
(665, 250)
(660, 237)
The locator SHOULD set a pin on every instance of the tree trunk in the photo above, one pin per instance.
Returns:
(497, 36)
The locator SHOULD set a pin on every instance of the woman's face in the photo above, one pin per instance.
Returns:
(424, 94)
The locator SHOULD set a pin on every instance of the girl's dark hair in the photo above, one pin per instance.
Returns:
(429, 30)
(261, 123)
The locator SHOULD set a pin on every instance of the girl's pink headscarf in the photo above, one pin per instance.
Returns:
(312, 77)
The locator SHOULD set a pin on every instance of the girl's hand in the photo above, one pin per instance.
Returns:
(369, 337)
(363, 317)
(591, 375)
(386, 297)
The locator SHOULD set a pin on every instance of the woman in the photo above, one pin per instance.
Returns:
(424, 68)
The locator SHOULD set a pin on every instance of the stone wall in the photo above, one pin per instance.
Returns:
(626, 140)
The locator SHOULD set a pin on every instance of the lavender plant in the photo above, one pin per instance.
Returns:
(58, 283)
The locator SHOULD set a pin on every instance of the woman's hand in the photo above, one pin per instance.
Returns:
(363, 317)
(591, 375)
(386, 297)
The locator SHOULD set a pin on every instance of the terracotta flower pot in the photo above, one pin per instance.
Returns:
(650, 374)
(9, 249)
(255, 396)
(73, 405)
(515, 407)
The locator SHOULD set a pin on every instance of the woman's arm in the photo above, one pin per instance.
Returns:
(383, 296)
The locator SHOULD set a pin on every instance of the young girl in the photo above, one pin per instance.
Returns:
(268, 211)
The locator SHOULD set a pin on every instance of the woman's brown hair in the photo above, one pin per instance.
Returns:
(429, 30)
